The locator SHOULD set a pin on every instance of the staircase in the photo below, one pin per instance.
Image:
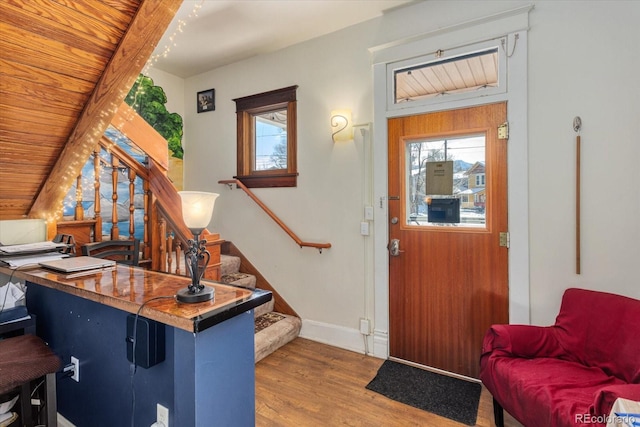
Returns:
(276, 323)
(273, 329)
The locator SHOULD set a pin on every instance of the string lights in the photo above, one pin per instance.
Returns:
(154, 58)
(179, 29)
(87, 181)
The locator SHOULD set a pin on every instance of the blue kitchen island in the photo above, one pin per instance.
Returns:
(206, 376)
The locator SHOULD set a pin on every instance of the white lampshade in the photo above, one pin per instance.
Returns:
(341, 126)
(197, 208)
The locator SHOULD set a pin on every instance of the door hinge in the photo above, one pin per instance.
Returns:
(505, 239)
(503, 131)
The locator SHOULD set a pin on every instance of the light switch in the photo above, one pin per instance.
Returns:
(368, 213)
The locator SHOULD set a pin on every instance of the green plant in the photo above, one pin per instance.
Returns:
(148, 100)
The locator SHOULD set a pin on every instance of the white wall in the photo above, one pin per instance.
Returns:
(326, 206)
(582, 56)
(583, 61)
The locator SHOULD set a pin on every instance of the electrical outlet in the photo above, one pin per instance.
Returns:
(76, 369)
(162, 415)
(364, 228)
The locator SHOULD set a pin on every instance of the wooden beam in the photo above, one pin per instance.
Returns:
(127, 121)
(146, 28)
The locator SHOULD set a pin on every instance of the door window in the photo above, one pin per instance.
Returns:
(445, 182)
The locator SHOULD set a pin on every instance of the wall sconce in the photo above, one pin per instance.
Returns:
(341, 126)
(197, 209)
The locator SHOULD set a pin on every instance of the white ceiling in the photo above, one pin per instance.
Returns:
(208, 34)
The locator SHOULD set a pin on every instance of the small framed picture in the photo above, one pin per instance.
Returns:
(206, 100)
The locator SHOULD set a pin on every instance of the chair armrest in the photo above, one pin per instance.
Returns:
(606, 397)
(522, 341)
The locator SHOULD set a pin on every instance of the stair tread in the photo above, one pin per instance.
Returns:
(275, 335)
(272, 329)
(240, 279)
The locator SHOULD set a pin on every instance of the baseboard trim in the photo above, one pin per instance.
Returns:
(336, 336)
(380, 344)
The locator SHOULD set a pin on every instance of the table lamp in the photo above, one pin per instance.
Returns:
(197, 208)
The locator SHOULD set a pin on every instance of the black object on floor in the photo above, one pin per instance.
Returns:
(440, 394)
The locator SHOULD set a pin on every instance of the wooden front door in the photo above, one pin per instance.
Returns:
(447, 207)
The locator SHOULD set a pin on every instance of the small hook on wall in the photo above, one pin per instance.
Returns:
(577, 124)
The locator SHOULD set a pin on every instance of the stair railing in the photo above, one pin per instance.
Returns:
(170, 230)
(300, 242)
(164, 232)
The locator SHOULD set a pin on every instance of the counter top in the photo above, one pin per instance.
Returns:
(128, 288)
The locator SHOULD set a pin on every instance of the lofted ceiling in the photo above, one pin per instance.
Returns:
(65, 67)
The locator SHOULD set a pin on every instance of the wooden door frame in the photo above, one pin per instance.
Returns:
(518, 194)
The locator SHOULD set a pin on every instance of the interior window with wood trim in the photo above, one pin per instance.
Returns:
(267, 139)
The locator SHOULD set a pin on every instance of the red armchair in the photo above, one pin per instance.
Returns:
(568, 374)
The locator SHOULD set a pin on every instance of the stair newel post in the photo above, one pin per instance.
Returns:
(115, 232)
(97, 170)
(132, 206)
(212, 271)
(79, 211)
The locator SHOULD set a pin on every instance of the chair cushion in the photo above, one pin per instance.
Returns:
(600, 329)
(549, 392)
(24, 358)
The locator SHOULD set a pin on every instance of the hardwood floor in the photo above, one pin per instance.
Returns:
(306, 383)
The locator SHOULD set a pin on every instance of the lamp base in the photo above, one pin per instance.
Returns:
(186, 296)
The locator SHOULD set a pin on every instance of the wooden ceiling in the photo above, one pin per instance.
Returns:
(65, 67)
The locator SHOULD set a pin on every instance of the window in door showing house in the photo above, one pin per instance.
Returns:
(466, 171)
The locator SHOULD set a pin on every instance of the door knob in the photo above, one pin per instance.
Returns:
(394, 247)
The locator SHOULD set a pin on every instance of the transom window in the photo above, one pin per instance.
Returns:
(453, 75)
(448, 75)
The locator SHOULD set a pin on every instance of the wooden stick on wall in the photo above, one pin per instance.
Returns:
(577, 125)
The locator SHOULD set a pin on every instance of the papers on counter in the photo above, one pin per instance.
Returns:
(32, 248)
(20, 261)
(15, 256)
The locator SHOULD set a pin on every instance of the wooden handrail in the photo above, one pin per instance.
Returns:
(319, 246)
(127, 160)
